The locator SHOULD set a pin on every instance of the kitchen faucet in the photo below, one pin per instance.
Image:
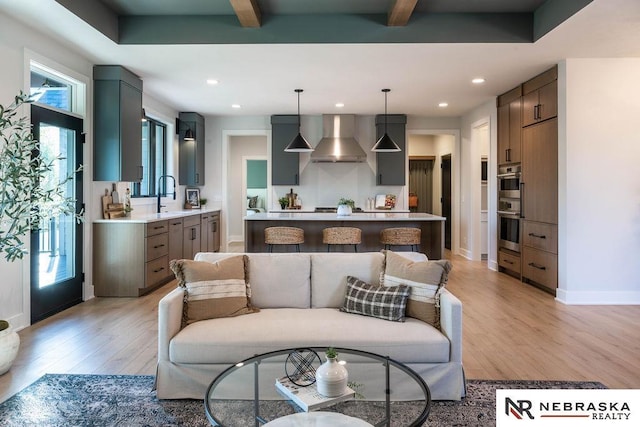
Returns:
(165, 190)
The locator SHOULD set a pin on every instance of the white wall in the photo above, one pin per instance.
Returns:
(14, 74)
(472, 151)
(599, 183)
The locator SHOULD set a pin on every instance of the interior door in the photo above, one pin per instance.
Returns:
(56, 247)
(446, 199)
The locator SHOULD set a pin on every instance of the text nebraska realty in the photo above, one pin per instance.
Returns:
(598, 410)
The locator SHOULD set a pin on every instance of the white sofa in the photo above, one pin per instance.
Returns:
(299, 295)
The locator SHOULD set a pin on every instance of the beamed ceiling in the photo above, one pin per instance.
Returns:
(338, 51)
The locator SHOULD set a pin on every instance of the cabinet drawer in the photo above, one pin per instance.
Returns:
(540, 267)
(156, 271)
(157, 246)
(540, 236)
(192, 220)
(508, 261)
(157, 227)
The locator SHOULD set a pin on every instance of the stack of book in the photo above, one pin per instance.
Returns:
(308, 398)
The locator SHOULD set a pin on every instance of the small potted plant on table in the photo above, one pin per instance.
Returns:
(345, 207)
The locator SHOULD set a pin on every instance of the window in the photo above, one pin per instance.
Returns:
(50, 90)
(154, 155)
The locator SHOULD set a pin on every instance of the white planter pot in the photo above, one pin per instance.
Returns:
(9, 344)
(344, 210)
(332, 378)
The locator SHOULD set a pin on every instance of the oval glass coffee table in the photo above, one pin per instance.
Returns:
(387, 392)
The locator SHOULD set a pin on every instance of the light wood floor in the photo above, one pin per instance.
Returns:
(511, 331)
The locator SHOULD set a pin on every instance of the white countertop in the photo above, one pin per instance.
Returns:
(143, 219)
(359, 216)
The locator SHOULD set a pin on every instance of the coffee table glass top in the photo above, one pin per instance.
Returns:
(388, 393)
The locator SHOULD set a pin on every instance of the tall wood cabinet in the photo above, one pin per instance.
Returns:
(210, 223)
(191, 237)
(391, 166)
(117, 138)
(534, 104)
(509, 126)
(285, 167)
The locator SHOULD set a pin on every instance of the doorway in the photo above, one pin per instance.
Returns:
(446, 198)
(56, 246)
(421, 183)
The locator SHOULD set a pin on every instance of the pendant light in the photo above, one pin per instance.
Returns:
(299, 144)
(385, 144)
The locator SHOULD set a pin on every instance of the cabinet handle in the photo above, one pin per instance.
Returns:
(379, 179)
(522, 200)
(215, 227)
(297, 179)
(538, 266)
(508, 154)
(506, 261)
(193, 234)
(141, 173)
(158, 270)
(535, 112)
(158, 246)
(539, 236)
(197, 178)
(158, 227)
(176, 223)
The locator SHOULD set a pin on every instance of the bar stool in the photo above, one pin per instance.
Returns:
(283, 236)
(402, 236)
(342, 236)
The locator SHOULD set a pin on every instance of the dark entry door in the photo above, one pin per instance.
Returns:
(446, 199)
(56, 247)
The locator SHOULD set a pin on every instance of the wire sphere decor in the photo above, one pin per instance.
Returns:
(300, 368)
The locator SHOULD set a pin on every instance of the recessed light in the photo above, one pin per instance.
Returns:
(443, 105)
(212, 81)
(235, 106)
(339, 104)
(477, 81)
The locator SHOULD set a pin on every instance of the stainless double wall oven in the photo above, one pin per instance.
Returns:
(509, 207)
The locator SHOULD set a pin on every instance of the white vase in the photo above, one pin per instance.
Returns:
(332, 378)
(9, 344)
(344, 210)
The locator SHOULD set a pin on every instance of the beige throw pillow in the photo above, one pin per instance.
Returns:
(213, 290)
(425, 278)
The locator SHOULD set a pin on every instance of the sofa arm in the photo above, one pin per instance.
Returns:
(169, 320)
(451, 323)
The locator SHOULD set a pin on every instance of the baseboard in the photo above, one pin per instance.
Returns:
(492, 265)
(465, 253)
(597, 297)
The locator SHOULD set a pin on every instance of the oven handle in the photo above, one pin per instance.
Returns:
(509, 175)
(521, 199)
(509, 213)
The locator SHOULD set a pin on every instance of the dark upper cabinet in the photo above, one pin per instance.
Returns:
(285, 167)
(391, 166)
(117, 109)
(191, 153)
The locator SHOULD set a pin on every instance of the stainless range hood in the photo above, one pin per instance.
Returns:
(338, 143)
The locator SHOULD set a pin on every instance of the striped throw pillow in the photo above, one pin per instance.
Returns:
(426, 280)
(213, 290)
(384, 302)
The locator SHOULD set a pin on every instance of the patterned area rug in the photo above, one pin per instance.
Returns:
(123, 400)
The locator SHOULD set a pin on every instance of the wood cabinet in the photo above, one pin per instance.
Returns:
(539, 179)
(175, 238)
(285, 167)
(210, 223)
(391, 166)
(191, 153)
(509, 126)
(191, 236)
(117, 139)
(130, 259)
(540, 97)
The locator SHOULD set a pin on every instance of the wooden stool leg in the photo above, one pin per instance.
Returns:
(355, 248)
(298, 248)
(328, 246)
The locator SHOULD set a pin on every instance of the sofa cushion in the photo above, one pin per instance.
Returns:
(426, 279)
(383, 302)
(218, 340)
(277, 280)
(213, 289)
(329, 273)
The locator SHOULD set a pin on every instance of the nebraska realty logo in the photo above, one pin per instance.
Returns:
(567, 407)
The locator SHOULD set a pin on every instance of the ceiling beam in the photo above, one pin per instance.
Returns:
(401, 12)
(248, 12)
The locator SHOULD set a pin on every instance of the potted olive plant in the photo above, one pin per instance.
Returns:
(24, 201)
(345, 206)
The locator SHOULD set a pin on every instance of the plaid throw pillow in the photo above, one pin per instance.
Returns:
(384, 302)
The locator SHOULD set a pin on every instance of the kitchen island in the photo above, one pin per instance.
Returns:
(432, 226)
